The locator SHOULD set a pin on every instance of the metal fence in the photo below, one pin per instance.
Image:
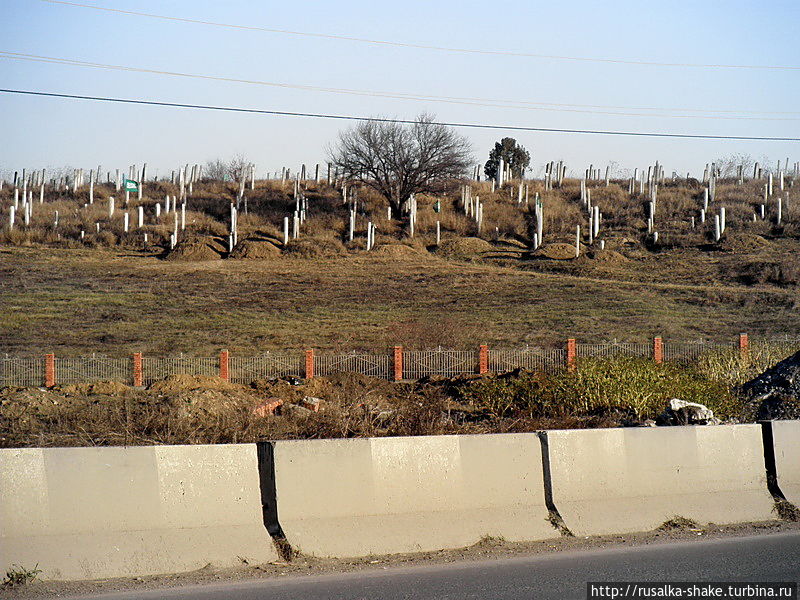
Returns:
(448, 363)
(244, 369)
(614, 348)
(154, 369)
(375, 365)
(93, 368)
(692, 351)
(33, 371)
(21, 372)
(533, 359)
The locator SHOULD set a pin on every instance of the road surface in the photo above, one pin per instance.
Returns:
(563, 575)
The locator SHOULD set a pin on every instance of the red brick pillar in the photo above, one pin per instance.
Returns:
(224, 371)
(744, 345)
(658, 350)
(398, 363)
(49, 370)
(572, 354)
(138, 374)
(310, 363)
(483, 359)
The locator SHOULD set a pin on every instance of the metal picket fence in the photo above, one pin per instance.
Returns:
(448, 363)
(375, 365)
(21, 372)
(93, 368)
(34, 371)
(244, 369)
(692, 351)
(531, 358)
(154, 369)
(613, 348)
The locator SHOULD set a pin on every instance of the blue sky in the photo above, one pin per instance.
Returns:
(43, 132)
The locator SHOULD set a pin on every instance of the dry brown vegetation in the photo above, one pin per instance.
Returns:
(185, 409)
(113, 294)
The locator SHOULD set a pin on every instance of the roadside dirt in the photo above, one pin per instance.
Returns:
(490, 548)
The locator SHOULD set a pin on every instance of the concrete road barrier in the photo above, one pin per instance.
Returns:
(87, 513)
(623, 480)
(390, 495)
(786, 441)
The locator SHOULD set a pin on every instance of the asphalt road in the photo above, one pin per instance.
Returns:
(762, 558)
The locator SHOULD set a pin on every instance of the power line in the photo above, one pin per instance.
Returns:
(483, 102)
(425, 46)
(284, 113)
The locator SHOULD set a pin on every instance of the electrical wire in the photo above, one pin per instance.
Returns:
(400, 121)
(521, 105)
(425, 46)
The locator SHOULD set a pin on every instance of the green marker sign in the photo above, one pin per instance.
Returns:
(131, 186)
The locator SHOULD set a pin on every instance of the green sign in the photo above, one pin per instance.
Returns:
(437, 207)
(131, 186)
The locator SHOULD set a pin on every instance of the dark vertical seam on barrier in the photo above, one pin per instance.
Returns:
(265, 452)
(770, 465)
(554, 516)
(785, 509)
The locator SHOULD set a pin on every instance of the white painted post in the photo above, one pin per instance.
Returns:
(12, 215)
(717, 230)
(722, 219)
(140, 210)
(125, 223)
(779, 215)
(183, 216)
(91, 187)
(41, 194)
(438, 232)
(110, 207)
(577, 241)
(285, 231)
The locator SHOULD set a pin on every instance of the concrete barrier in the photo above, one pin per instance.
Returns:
(390, 495)
(786, 441)
(623, 480)
(87, 513)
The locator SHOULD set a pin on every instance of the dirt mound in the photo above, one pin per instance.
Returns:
(182, 383)
(315, 247)
(469, 247)
(197, 249)
(199, 405)
(608, 256)
(397, 250)
(743, 242)
(558, 251)
(108, 388)
(255, 250)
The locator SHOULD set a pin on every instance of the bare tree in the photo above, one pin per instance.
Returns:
(230, 170)
(401, 159)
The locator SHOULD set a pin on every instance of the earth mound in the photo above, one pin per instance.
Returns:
(397, 250)
(182, 383)
(464, 248)
(255, 250)
(743, 242)
(558, 251)
(197, 249)
(314, 247)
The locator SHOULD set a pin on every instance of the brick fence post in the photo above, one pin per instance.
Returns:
(744, 345)
(310, 363)
(138, 374)
(483, 359)
(224, 364)
(658, 350)
(398, 363)
(49, 370)
(572, 354)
